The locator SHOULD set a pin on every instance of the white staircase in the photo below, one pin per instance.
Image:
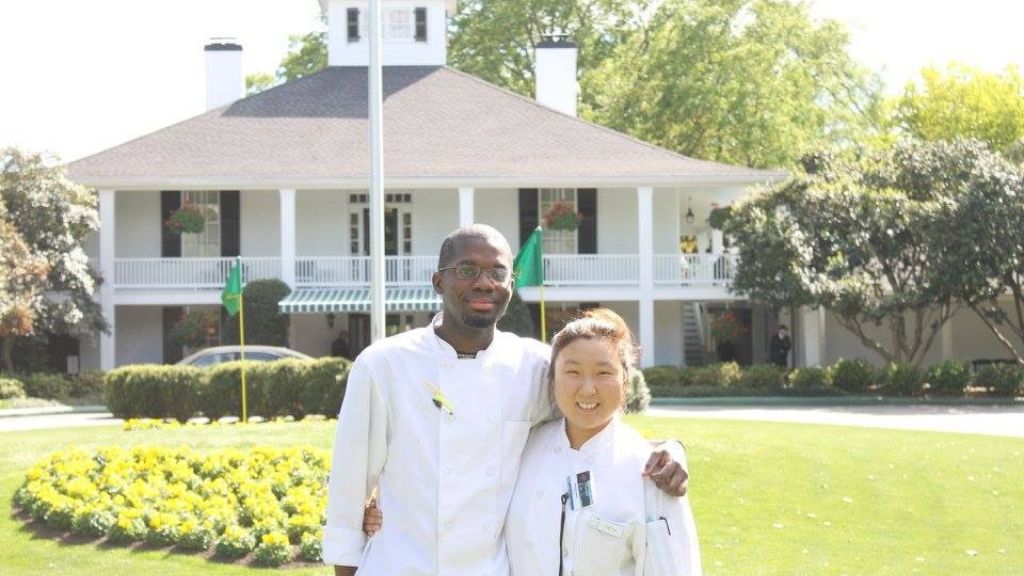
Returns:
(694, 333)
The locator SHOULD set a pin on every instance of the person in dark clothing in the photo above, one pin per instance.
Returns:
(779, 346)
(339, 348)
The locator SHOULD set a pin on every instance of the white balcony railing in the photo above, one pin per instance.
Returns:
(559, 270)
(162, 273)
(355, 270)
(591, 269)
(694, 269)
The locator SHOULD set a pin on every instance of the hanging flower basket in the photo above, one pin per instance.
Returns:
(561, 216)
(726, 327)
(188, 219)
(195, 329)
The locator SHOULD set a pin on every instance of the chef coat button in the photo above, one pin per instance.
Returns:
(529, 545)
(448, 471)
(558, 449)
(540, 494)
(565, 552)
(490, 470)
(447, 525)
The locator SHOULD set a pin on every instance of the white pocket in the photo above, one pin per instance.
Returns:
(602, 545)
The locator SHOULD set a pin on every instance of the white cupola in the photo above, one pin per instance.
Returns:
(413, 32)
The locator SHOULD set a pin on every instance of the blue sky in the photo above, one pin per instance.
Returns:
(81, 76)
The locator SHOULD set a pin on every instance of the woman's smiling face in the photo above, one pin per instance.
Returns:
(589, 383)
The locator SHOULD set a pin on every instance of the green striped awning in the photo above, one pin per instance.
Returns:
(357, 299)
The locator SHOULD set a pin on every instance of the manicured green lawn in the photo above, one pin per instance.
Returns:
(779, 499)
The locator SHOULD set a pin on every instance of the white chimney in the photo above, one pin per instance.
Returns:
(555, 73)
(224, 80)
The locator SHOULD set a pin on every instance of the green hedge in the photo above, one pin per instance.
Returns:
(284, 388)
(855, 377)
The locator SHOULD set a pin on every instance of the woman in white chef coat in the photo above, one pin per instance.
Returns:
(580, 504)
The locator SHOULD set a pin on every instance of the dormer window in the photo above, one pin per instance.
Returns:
(421, 24)
(352, 24)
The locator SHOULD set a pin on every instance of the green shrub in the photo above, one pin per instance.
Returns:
(153, 391)
(48, 385)
(517, 318)
(949, 378)
(264, 322)
(638, 396)
(86, 384)
(11, 388)
(661, 376)
(762, 377)
(810, 378)
(901, 379)
(282, 388)
(1001, 379)
(719, 374)
(854, 376)
(92, 522)
(325, 386)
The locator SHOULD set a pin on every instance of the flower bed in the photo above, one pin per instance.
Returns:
(264, 503)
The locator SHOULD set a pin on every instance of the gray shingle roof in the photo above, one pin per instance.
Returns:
(439, 124)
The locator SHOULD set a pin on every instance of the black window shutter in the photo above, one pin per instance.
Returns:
(171, 316)
(421, 24)
(586, 205)
(230, 224)
(353, 24)
(528, 206)
(170, 243)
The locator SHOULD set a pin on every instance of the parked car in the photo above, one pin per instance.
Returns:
(218, 354)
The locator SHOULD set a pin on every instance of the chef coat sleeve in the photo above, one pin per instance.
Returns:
(360, 449)
(679, 515)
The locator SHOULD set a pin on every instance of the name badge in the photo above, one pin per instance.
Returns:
(606, 527)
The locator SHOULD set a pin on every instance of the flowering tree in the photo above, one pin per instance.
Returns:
(52, 217)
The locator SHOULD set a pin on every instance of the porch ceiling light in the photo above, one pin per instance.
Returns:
(689, 212)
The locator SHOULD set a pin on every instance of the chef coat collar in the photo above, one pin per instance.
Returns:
(600, 441)
(448, 352)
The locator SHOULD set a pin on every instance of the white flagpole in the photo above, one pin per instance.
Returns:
(376, 222)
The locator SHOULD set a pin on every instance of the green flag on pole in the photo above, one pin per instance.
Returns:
(528, 268)
(529, 263)
(231, 296)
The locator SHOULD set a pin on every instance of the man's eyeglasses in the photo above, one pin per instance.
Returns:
(472, 272)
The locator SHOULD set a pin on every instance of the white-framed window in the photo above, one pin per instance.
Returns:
(398, 224)
(557, 241)
(399, 24)
(205, 244)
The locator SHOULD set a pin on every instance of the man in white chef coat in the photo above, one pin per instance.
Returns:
(435, 419)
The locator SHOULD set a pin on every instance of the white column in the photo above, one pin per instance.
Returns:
(466, 199)
(812, 335)
(717, 242)
(645, 229)
(108, 340)
(947, 340)
(287, 196)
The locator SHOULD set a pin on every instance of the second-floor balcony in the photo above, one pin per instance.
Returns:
(565, 270)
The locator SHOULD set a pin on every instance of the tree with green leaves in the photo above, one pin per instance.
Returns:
(964, 102)
(978, 241)
(52, 217)
(264, 322)
(751, 82)
(21, 288)
(856, 237)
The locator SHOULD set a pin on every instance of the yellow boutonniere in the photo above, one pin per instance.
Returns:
(440, 400)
